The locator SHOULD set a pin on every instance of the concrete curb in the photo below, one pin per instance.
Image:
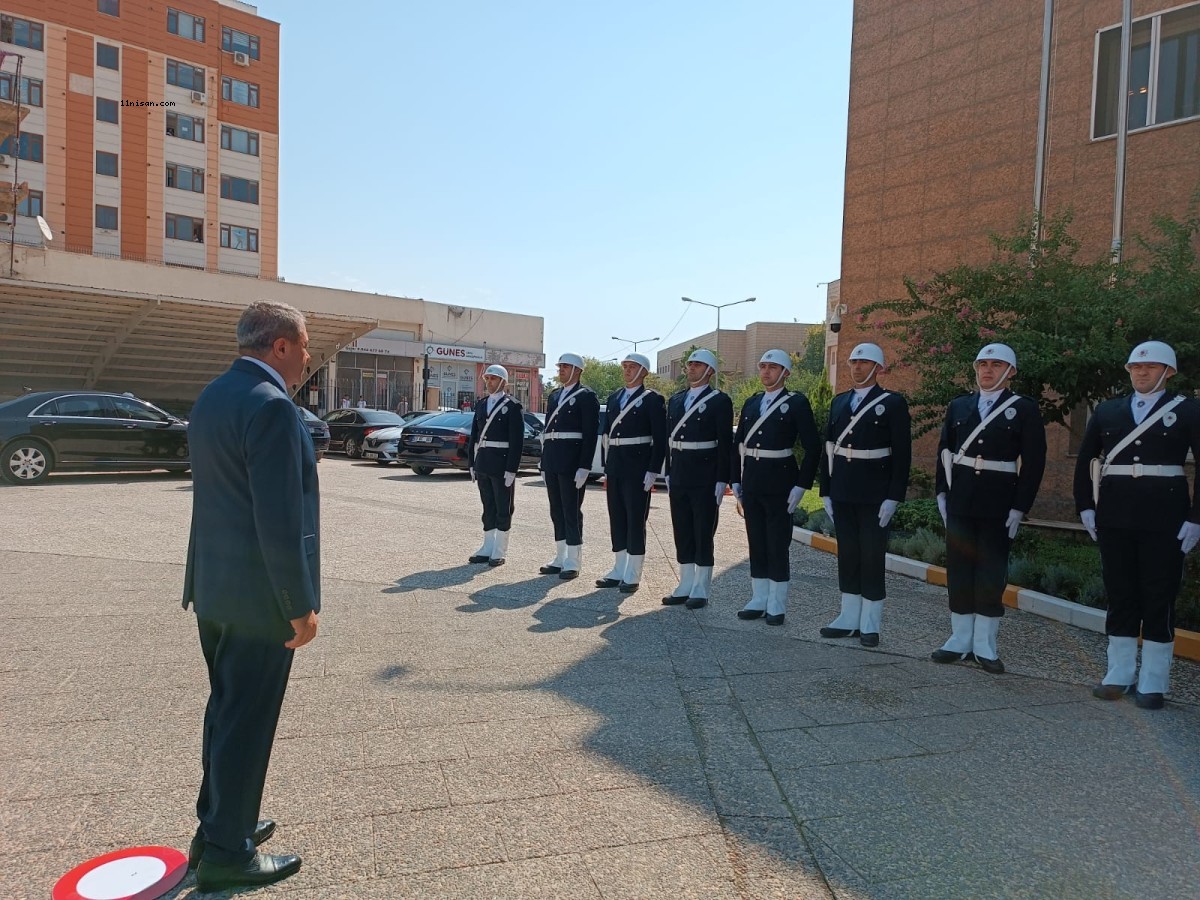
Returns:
(1187, 643)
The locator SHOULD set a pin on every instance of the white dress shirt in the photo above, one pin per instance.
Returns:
(1141, 404)
(278, 379)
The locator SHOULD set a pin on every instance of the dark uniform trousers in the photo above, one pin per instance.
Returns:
(862, 549)
(566, 507)
(976, 564)
(247, 676)
(769, 533)
(628, 509)
(695, 473)
(498, 501)
(694, 523)
(1143, 571)
(561, 458)
(625, 466)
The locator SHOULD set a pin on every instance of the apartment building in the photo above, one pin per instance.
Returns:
(739, 349)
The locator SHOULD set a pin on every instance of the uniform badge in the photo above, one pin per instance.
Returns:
(639, 402)
(701, 409)
(784, 408)
(1010, 414)
(879, 409)
(571, 402)
(1168, 419)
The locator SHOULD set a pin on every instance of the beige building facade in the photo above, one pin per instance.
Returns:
(738, 350)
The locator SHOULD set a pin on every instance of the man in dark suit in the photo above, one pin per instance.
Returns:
(634, 443)
(868, 452)
(1131, 492)
(494, 448)
(992, 454)
(770, 484)
(568, 446)
(699, 438)
(254, 580)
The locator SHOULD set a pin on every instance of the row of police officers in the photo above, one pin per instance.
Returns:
(1130, 489)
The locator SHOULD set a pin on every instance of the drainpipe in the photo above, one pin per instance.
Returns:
(1122, 129)
(1039, 170)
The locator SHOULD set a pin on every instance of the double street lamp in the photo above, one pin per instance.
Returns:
(718, 307)
(635, 343)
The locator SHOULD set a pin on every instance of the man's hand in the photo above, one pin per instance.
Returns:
(472, 471)
(737, 491)
(1013, 522)
(795, 495)
(509, 478)
(887, 509)
(1088, 518)
(941, 502)
(648, 480)
(828, 504)
(305, 628)
(1188, 536)
(580, 478)
(720, 493)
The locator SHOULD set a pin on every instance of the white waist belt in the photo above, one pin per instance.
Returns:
(759, 453)
(562, 436)
(500, 445)
(629, 442)
(851, 453)
(1137, 470)
(992, 465)
(693, 445)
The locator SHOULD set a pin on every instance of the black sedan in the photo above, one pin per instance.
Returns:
(317, 430)
(440, 442)
(349, 427)
(93, 430)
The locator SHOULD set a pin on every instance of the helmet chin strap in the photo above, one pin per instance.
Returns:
(704, 379)
(870, 375)
(780, 380)
(1003, 378)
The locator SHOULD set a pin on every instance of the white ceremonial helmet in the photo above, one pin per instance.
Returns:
(498, 371)
(704, 356)
(640, 358)
(1002, 352)
(571, 359)
(1153, 352)
(871, 352)
(778, 357)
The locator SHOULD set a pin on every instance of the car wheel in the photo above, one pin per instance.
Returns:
(382, 462)
(352, 449)
(423, 470)
(27, 462)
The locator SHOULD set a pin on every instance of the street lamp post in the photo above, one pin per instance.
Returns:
(718, 307)
(635, 343)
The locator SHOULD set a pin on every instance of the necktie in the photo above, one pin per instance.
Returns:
(987, 406)
(854, 402)
(687, 402)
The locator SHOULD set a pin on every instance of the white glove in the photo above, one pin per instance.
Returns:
(1013, 522)
(720, 494)
(648, 480)
(1088, 518)
(509, 478)
(667, 481)
(1188, 535)
(941, 498)
(472, 471)
(580, 478)
(828, 507)
(887, 509)
(795, 495)
(737, 490)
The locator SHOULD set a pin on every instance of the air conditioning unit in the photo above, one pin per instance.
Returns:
(4, 219)
(199, 98)
(3, 161)
(240, 58)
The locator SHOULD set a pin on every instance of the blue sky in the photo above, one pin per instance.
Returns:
(586, 162)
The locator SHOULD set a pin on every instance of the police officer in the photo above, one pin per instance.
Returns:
(634, 444)
(769, 483)
(992, 454)
(568, 446)
(1132, 496)
(868, 453)
(699, 438)
(494, 449)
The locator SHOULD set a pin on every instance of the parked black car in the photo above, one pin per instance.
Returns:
(317, 430)
(440, 442)
(348, 427)
(48, 430)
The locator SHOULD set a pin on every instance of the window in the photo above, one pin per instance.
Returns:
(185, 25)
(109, 7)
(106, 163)
(239, 42)
(106, 110)
(185, 75)
(235, 237)
(242, 92)
(185, 228)
(106, 217)
(1164, 72)
(30, 147)
(185, 178)
(31, 89)
(239, 189)
(239, 140)
(108, 56)
(189, 128)
(131, 409)
(92, 407)
(31, 205)
(21, 32)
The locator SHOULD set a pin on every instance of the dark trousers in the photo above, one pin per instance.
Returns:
(247, 677)
(694, 521)
(976, 564)
(862, 549)
(769, 533)
(1143, 571)
(498, 501)
(628, 509)
(566, 507)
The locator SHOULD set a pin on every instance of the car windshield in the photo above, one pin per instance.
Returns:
(380, 417)
(307, 415)
(446, 420)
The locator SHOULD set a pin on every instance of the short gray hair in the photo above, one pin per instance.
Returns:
(266, 321)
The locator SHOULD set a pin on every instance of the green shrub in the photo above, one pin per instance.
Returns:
(1091, 593)
(1023, 573)
(1060, 580)
(923, 544)
(921, 484)
(812, 501)
(799, 517)
(1187, 607)
(820, 522)
(912, 515)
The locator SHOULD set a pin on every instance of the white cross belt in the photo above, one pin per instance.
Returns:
(630, 441)
(992, 465)
(760, 453)
(499, 445)
(852, 453)
(693, 445)
(1138, 470)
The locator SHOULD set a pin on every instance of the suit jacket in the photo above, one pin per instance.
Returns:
(886, 424)
(254, 554)
(981, 493)
(645, 418)
(508, 425)
(1147, 503)
(712, 421)
(791, 421)
(581, 415)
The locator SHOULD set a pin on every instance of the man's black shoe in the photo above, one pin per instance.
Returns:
(478, 559)
(869, 640)
(828, 632)
(262, 833)
(991, 666)
(550, 570)
(260, 869)
(775, 620)
(672, 600)
(950, 656)
(1148, 701)
(750, 613)
(627, 588)
(496, 562)
(1112, 691)
(608, 582)
(568, 574)
(697, 602)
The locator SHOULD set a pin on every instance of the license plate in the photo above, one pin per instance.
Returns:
(422, 438)
(370, 455)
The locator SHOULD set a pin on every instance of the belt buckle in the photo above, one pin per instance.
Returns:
(849, 453)
(1137, 470)
(978, 463)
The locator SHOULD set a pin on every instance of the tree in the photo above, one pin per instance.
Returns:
(1071, 323)
(814, 351)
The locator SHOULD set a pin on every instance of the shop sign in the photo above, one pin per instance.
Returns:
(455, 354)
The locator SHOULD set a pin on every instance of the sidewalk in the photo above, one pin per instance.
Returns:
(459, 731)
